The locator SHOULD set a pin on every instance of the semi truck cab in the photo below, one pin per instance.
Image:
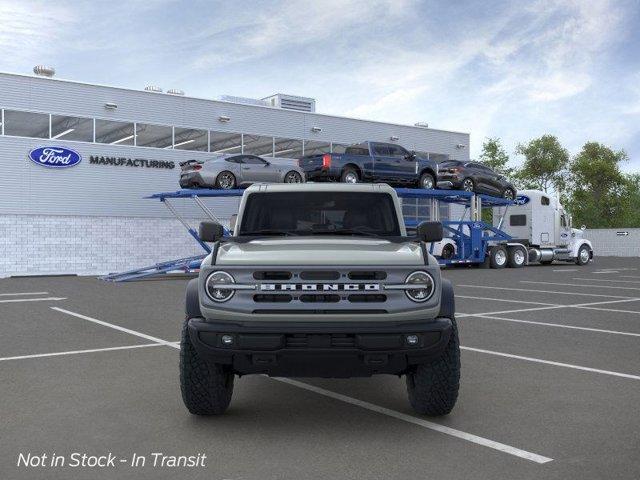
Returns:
(540, 222)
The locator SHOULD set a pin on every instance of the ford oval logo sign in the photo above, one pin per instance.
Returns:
(521, 200)
(55, 157)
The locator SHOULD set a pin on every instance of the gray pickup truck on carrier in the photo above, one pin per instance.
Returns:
(319, 280)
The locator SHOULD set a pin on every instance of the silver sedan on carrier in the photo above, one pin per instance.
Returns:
(238, 170)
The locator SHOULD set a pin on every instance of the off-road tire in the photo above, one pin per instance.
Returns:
(433, 387)
(206, 388)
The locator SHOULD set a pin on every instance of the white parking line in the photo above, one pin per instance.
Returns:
(605, 280)
(47, 299)
(529, 290)
(369, 406)
(75, 352)
(581, 285)
(629, 276)
(552, 306)
(506, 300)
(485, 442)
(22, 293)
(559, 325)
(555, 364)
(566, 270)
(115, 327)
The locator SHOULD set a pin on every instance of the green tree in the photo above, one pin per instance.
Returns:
(632, 215)
(495, 156)
(545, 164)
(599, 193)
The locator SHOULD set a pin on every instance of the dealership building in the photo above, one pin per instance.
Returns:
(93, 218)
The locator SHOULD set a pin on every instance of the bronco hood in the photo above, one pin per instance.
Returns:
(326, 250)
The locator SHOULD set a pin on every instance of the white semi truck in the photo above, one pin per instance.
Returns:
(540, 223)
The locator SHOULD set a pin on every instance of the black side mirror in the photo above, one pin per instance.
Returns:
(430, 232)
(210, 231)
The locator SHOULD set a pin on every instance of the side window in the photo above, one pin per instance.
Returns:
(397, 151)
(381, 150)
(517, 220)
(251, 160)
(234, 159)
(563, 221)
(544, 200)
(472, 165)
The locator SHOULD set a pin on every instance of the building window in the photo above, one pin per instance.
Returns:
(224, 142)
(72, 128)
(190, 139)
(157, 136)
(287, 148)
(258, 145)
(114, 133)
(312, 147)
(26, 124)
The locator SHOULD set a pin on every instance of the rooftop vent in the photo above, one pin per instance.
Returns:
(153, 88)
(44, 71)
(292, 102)
(175, 91)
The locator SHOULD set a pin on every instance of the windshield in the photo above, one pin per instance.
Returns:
(320, 213)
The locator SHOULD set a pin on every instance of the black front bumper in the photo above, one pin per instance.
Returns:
(345, 349)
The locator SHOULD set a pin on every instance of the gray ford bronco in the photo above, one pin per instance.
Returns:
(319, 280)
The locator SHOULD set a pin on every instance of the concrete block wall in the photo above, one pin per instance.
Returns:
(613, 241)
(46, 245)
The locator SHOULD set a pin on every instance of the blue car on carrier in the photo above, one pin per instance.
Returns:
(372, 162)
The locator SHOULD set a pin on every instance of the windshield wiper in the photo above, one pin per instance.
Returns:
(266, 231)
(353, 231)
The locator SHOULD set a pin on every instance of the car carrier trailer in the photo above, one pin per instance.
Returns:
(469, 241)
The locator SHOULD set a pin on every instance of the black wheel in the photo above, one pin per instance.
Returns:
(206, 388)
(584, 255)
(293, 177)
(225, 180)
(517, 257)
(509, 194)
(498, 257)
(349, 175)
(433, 387)
(427, 181)
(468, 185)
(448, 251)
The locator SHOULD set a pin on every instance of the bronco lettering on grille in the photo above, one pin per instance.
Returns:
(324, 287)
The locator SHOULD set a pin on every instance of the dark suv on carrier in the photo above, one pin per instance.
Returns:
(475, 177)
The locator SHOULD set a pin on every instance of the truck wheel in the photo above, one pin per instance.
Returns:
(583, 255)
(433, 387)
(427, 181)
(516, 257)
(349, 175)
(206, 388)
(498, 257)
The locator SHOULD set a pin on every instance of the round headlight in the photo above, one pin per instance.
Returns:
(215, 286)
(425, 286)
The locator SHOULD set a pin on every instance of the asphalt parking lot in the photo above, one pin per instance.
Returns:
(550, 387)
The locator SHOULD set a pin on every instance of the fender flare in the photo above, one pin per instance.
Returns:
(192, 300)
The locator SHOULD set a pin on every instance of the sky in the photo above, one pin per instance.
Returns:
(513, 70)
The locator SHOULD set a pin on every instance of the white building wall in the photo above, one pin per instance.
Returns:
(52, 245)
(613, 242)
